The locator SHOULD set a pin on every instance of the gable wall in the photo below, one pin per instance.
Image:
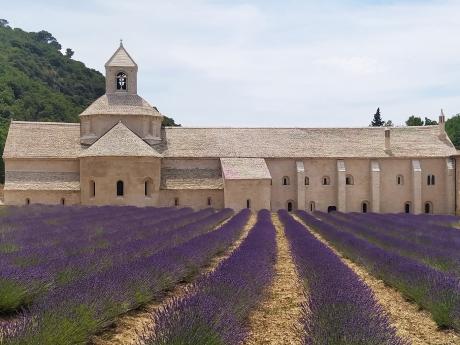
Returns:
(106, 171)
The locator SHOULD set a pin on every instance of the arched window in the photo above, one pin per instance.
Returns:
(428, 207)
(407, 207)
(248, 203)
(326, 181)
(290, 206)
(209, 201)
(63, 201)
(312, 206)
(430, 180)
(285, 181)
(307, 180)
(349, 180)
(364, 207)
(176, 201)
(148, 187)
(120, 188)
(92, 189)
(400, 180)
(27, 201)
(122, 81)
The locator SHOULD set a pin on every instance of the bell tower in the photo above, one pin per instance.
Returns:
(121, 73)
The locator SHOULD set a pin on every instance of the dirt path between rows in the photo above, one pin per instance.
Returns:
(128, 326)
(276, 320)
(410, 321)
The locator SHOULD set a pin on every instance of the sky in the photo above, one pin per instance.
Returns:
(265, 63)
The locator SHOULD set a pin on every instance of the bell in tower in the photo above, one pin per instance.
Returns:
(121, 73)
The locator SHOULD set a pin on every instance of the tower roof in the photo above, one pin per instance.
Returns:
(121, 104)
(121, 58)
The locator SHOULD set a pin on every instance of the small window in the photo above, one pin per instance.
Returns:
(27, 201)
(428, 207)
(326, 181)
(92, 189)
(285, 181)
(349, 180)
(407, 207)
(248, 203)
(430, 180)
(209, 201)
(307, 180)
(122, 81)
(364, 207)
(120, 188)
(63, 201)
(312, 206)
(148, 187)
(400, 180)
(176, 201)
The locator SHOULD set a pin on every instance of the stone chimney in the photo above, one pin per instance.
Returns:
(387, 140)
(442, 125)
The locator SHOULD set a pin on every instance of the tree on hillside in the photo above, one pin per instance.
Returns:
(389, 123)
(4, 23)
(377, 120)
(414, 121)
(429, 122)
(69, 53)
(453, 130)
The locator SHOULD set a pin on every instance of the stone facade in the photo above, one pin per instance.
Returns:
(120, 155)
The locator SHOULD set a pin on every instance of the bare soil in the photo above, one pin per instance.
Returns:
(126, 329)
(276, 320)
(410, 322)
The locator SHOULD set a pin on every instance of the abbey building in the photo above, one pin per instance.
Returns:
(120, 155)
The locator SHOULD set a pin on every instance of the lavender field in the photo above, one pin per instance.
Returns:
(67, 274)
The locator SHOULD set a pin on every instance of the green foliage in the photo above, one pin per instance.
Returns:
(414, 121)
(40, 83)
(429, 122)
(169, 122)
(453, 130)
(377, 121)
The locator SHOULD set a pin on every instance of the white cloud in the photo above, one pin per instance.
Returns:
(267, 63)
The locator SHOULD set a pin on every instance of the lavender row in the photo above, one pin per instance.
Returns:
(431, 289)
(21, 286)
(72, 314)
(216, 311)
(340, 308)
(445, 259)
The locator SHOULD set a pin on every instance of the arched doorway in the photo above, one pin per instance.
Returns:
(331, 209)
(289, 206)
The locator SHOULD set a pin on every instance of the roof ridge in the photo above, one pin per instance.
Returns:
(46, 123)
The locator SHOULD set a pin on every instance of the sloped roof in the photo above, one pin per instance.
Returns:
(119, 141)
(191, 179)
(62, 140)
(21, 180)
(244, 168)
(42, 140)
(367, 142)
(120, 104)
(121, 58)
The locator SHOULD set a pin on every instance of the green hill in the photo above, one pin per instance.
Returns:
(40, 83)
